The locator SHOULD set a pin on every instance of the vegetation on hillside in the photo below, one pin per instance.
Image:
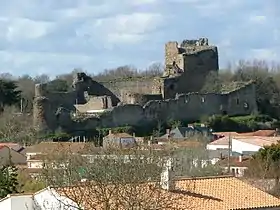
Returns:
(267, 79)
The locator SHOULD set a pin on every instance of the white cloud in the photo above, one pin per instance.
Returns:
(26, 29)
(143, 2)
(136, 23)
(130, 28)
(57, 36)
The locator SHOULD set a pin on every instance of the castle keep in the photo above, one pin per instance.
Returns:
(135, 101)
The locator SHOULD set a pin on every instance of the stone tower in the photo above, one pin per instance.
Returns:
(187, 65)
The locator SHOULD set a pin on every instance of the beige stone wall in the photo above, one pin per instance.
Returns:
(138, 98)
(172, 54)
(95, 103)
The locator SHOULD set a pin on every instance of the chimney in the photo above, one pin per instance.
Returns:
(110, 132)
(167, 176)
(276, 132)
(240, 158)
(167, 131)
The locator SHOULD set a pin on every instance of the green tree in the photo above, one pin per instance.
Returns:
(222, 123)
(58, 85)
(266, 164)
(9, 95)
(174, 123)
(8, 180)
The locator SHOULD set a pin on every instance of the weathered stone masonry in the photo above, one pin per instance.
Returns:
(139, 101)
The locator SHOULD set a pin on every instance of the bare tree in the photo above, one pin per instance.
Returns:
(113, 179)
(26, 85)
(155, 69)
(17, 127)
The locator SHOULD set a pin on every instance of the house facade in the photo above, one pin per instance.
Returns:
(119, 140)
(184, 133)
(46, 199)
(242, 144)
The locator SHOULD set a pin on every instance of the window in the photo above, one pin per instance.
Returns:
(186, 99)
(246, 106)
(202, 99)
(237, 101)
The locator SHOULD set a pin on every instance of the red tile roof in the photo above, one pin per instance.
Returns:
(208, 193)
(234, 161)
(254, 140)
(264, 133)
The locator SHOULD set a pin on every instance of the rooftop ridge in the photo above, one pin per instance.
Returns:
(182, 178)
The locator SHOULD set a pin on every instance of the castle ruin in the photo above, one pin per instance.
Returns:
(175, 95)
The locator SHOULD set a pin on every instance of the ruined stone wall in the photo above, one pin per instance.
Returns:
(242, 100)
(172, 53)
(95, 103)
(185, 107)
(142, 85)
(138, 98)
(46, 105)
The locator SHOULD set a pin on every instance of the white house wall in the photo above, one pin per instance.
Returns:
(239, 146)
(49, 199)
(6, 204)
(216, 147)
(17, 202)
(35, 164)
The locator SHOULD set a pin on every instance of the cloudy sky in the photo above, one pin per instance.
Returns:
(55, 36)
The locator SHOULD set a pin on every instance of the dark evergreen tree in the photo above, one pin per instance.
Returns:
(8, 180)
(9, 94)
(58, 85)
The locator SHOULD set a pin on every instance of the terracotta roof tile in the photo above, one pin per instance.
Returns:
(234, 161)
(265, 133)
(221, 141)
(212, 193)
(255, 140)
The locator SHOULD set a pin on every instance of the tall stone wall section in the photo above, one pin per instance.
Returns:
(172, 53)
(46, 105)
(195, 59)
